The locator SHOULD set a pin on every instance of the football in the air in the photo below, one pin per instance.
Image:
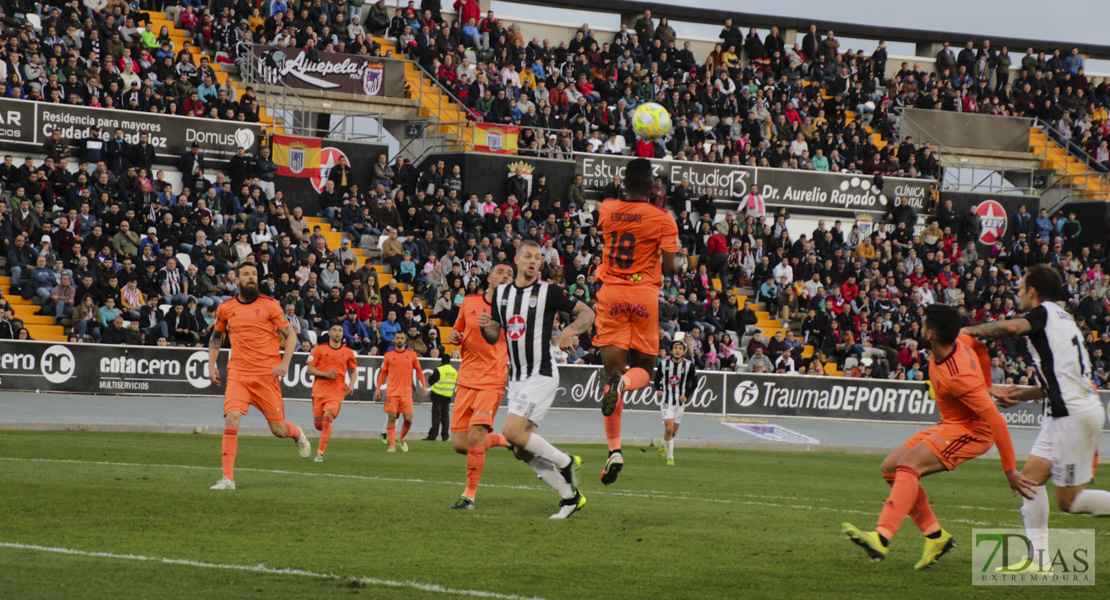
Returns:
(651, 121)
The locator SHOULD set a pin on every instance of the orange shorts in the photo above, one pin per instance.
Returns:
(953, 444)
(262, 391)
(319, 405)
(627, 316)
(474, 407)
(398, 404)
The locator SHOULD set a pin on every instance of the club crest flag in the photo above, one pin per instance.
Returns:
(495, 138)
(295, 156)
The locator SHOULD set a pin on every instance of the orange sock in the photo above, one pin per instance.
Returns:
(475, 460)
(319, 425)
(230, 447)
(613, 426)
(921, 513)
(903, 498)
(494, 440)
(635, 379)
(292, 431)
(405, 429)
(391, 432)
(325, 434)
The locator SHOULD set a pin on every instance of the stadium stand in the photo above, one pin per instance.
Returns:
(143, 266)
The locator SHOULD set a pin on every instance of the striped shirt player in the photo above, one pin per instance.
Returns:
(527, 314)
(525, 310)
(674, 385)
(1073, 416)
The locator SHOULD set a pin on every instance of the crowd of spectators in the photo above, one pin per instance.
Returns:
(118, 257)
(108, 55)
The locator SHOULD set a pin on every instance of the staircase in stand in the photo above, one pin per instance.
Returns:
(1086, 183)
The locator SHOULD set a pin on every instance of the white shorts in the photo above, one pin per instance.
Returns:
(532, 397)
(673, 412)
(1070, 443)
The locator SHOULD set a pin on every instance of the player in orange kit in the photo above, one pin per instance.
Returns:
(970, 424)
(256, 366)
(333, 367)
(398, 365)
(480, 386)
(639, 239)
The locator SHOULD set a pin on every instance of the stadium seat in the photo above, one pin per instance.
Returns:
(184, 260)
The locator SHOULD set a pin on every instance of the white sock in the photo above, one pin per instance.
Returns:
(1035, 514)
(551, 476)
(669, 444)
(537, 446)
(1091, 502)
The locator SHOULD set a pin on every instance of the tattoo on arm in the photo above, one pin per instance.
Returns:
(1010, 328)
(583, 318)
(216, 341)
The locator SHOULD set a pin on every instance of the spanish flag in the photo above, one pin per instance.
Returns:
(499, 139)
(295, 156)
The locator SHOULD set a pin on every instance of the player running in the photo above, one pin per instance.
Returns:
(525, 309)
(970, 424)
(398, 366)
(332, 365)
(480, 386)
(256, 366)
(674, 385)
(639, 239)
(1067, 445)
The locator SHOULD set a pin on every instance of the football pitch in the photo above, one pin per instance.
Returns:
(111, 515)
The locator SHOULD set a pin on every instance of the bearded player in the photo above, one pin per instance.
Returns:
(639, 239)
(256, 367)
(481, 385)
(333, 367)
(970, 424)
(398, 367)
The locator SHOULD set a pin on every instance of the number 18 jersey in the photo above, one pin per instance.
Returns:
(635, 235)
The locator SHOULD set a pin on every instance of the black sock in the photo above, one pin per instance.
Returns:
(934, 535)
(617, 451)
(885, 541)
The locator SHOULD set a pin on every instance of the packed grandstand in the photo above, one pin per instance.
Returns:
(114, 246)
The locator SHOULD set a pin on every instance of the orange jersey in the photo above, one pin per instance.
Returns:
(962, 383)
(635, 235)
(253, 329)
(396, 373)
(484, 366)
(326, 358)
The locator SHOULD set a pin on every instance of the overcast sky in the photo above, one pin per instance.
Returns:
(1078, 20)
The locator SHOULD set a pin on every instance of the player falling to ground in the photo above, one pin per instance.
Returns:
(674, 385)
(1067, 445)
(398, 367)
(480, 386)
(256, 366)
(970, 424)
(525, 310)
(641, 240)
(333, 367)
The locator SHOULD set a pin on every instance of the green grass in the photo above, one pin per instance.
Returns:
(723, 524)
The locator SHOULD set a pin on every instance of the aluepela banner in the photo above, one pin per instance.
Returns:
(329, 71)
(145, 370)
(32, 123)
(778, 187)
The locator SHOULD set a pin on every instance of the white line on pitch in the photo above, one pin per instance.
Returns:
(424, 587)
(652, 495)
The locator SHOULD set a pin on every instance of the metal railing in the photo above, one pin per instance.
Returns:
(1094, 182)
(296, 116)
(961, 174)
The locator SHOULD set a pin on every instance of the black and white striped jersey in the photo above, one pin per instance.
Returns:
(526, 315)
(675, 379)
(1063, 366)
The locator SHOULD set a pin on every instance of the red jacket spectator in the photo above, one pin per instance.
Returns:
(717, 244)
(849, 291)
(362, 309)
(470, 10)
(645, 149)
